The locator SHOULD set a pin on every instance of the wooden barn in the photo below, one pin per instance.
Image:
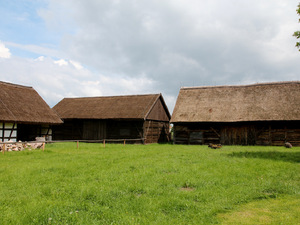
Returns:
(258, 114)
(144, 117)
(24, 115)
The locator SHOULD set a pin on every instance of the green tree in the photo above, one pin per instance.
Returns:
(297, 33)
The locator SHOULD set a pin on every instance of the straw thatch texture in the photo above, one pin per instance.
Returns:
(258, 102)
(115, 107)
(24, 105)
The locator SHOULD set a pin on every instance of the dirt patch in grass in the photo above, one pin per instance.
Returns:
(187, 189)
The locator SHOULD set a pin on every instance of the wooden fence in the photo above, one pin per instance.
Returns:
(103, 141)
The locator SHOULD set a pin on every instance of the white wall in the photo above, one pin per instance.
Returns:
(6, 130)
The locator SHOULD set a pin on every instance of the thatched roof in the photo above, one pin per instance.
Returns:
(24, 105)
(257, 102)
(112, 107)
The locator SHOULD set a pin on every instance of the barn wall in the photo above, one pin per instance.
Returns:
(251, 133)
(195, 133)
(156, 131)
(158, 112)
(98, 129)
(152, 131)
(8, 131)
(94, 129)
(124, 129)
(28, 132)
(69, 130)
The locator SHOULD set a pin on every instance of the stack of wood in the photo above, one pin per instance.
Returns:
(214, 146)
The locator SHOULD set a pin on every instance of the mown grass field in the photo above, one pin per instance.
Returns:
(150, 184)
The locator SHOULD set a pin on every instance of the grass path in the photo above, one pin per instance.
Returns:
(144, 184)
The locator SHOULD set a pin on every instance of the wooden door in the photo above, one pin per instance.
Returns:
(94, 129)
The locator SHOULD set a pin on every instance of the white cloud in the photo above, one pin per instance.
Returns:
(77, 65)
(61, 62)
(56, 82)
(4, 52)
(37, 49)
(40, 58)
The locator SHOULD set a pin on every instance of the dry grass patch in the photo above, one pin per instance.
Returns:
(268, 211)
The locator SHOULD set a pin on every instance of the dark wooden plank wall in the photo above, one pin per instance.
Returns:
(156, 131)
(152, 131)
(120, 129)
(193, 134)
(255, 133)
(158, 112)
(28, 132)
(94, 130)
(69, 130)
(98, 129)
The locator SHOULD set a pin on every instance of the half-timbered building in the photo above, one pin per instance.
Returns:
(24, 115)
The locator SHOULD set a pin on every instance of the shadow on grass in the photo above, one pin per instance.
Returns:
(283, 156)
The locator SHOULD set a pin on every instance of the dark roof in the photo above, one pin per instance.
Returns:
(112, 107)
(23, 104)
(257, 102)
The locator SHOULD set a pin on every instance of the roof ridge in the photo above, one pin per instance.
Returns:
(112, 96)
(14, 85)
(243, 85)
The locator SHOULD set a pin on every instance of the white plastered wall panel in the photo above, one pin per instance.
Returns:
(9, 132)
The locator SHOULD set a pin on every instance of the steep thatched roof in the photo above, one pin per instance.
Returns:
(113, 107)
(257, 102)
(24, 105)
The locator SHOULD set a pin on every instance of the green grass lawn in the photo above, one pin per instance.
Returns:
(150, 184)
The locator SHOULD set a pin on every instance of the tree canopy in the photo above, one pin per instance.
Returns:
(297, 33)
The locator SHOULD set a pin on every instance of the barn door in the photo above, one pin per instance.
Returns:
(94, 129)
(239, 135)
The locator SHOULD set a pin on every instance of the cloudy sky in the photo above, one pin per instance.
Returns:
(117, 47)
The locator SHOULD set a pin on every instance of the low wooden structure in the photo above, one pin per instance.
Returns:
(258, 114)
(144, 117)
(24, 115)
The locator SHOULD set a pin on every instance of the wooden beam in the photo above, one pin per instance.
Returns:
(270, 135)
(215, 132)
(48, 130)
(3, 133)
(149, 124)
(12, 130)
(285, 134)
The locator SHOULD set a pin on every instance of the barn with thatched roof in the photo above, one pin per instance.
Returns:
(144, 117)
(258, 114)
(24, 115)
